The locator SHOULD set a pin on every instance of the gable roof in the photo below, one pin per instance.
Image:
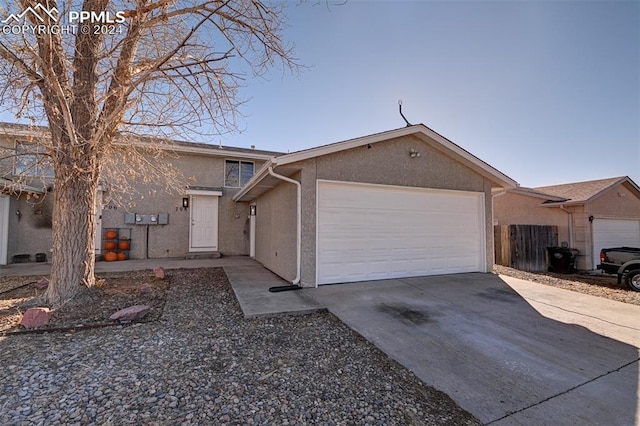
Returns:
(262, 181)
(577, 192)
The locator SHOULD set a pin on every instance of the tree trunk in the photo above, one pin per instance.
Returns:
(74, 227)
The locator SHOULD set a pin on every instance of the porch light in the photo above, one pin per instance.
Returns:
(185, 202)
(252, 210)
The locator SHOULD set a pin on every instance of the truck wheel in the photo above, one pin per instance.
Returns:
(633, 279)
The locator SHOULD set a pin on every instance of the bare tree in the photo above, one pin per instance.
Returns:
(161, 67)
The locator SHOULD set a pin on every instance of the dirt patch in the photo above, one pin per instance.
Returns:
(601, 285)
(114, 291)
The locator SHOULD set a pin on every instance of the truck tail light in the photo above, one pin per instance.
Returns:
(603, 257)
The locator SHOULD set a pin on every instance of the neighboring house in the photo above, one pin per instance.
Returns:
(201, 220)
(401, 203)
(589, 215)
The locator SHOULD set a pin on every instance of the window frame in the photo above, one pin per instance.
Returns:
(25, 163)
(238, 164)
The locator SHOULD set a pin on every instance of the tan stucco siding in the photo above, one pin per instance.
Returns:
(517, 209)
(618, 202)
(386, 163)
(276, 222)
(30, 222)
(172, 240)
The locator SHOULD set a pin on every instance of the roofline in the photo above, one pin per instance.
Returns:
(419, 130)
(21, 130)
(256, 178)
(535, 194)
(19, 188)
(619, 182)
(214, 151)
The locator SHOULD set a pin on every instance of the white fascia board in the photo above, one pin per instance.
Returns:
(490, 171)
(344, 145)
(217, 193)
(219, 152)
(535, 194)
(562, 203)
(256, 179)
(20, 188)
(214, 152)
(35, 133)
(418, 129)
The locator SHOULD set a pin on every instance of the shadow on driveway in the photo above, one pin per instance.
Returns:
(473, 337)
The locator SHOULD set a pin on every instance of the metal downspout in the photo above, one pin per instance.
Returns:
(571, 245)
(296, 280)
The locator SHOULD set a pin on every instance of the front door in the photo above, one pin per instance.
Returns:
(203, 235)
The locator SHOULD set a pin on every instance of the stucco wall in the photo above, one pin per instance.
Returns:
(276, 222)
(517, 209)
(618, 202)
(28, 236)
(29, 232)
(172, 240)
(385, 163)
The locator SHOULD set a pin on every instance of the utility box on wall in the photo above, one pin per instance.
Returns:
(146, 219)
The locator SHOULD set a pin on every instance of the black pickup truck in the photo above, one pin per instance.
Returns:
(623, 261)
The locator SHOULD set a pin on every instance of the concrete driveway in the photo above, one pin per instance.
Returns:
(477, 339)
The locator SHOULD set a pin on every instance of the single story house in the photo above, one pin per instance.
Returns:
(589, 215)
(400, 203)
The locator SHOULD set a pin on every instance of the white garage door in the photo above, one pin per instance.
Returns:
(371, 232)
(609, 233)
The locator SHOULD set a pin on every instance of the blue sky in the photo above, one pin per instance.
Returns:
(546, 92)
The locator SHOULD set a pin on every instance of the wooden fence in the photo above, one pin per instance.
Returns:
(524, 247)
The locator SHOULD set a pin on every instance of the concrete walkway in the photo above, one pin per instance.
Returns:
(249, 279)
(130, 265)
(251, 283)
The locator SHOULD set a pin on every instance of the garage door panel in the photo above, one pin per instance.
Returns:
(608, 233)
(368, 232)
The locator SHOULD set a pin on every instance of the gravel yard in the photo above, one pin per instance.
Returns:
(202, 363)
(600, 285)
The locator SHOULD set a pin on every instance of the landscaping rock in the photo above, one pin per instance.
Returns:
(35, 317)
(158, 271)
(145, 289)
(131, 313)
(42, 284)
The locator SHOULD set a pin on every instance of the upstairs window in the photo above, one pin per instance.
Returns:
(31, 160)
(237, 173)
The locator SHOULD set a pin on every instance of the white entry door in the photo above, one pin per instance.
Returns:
(371, 232)
(4, 228)
(203, 235)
